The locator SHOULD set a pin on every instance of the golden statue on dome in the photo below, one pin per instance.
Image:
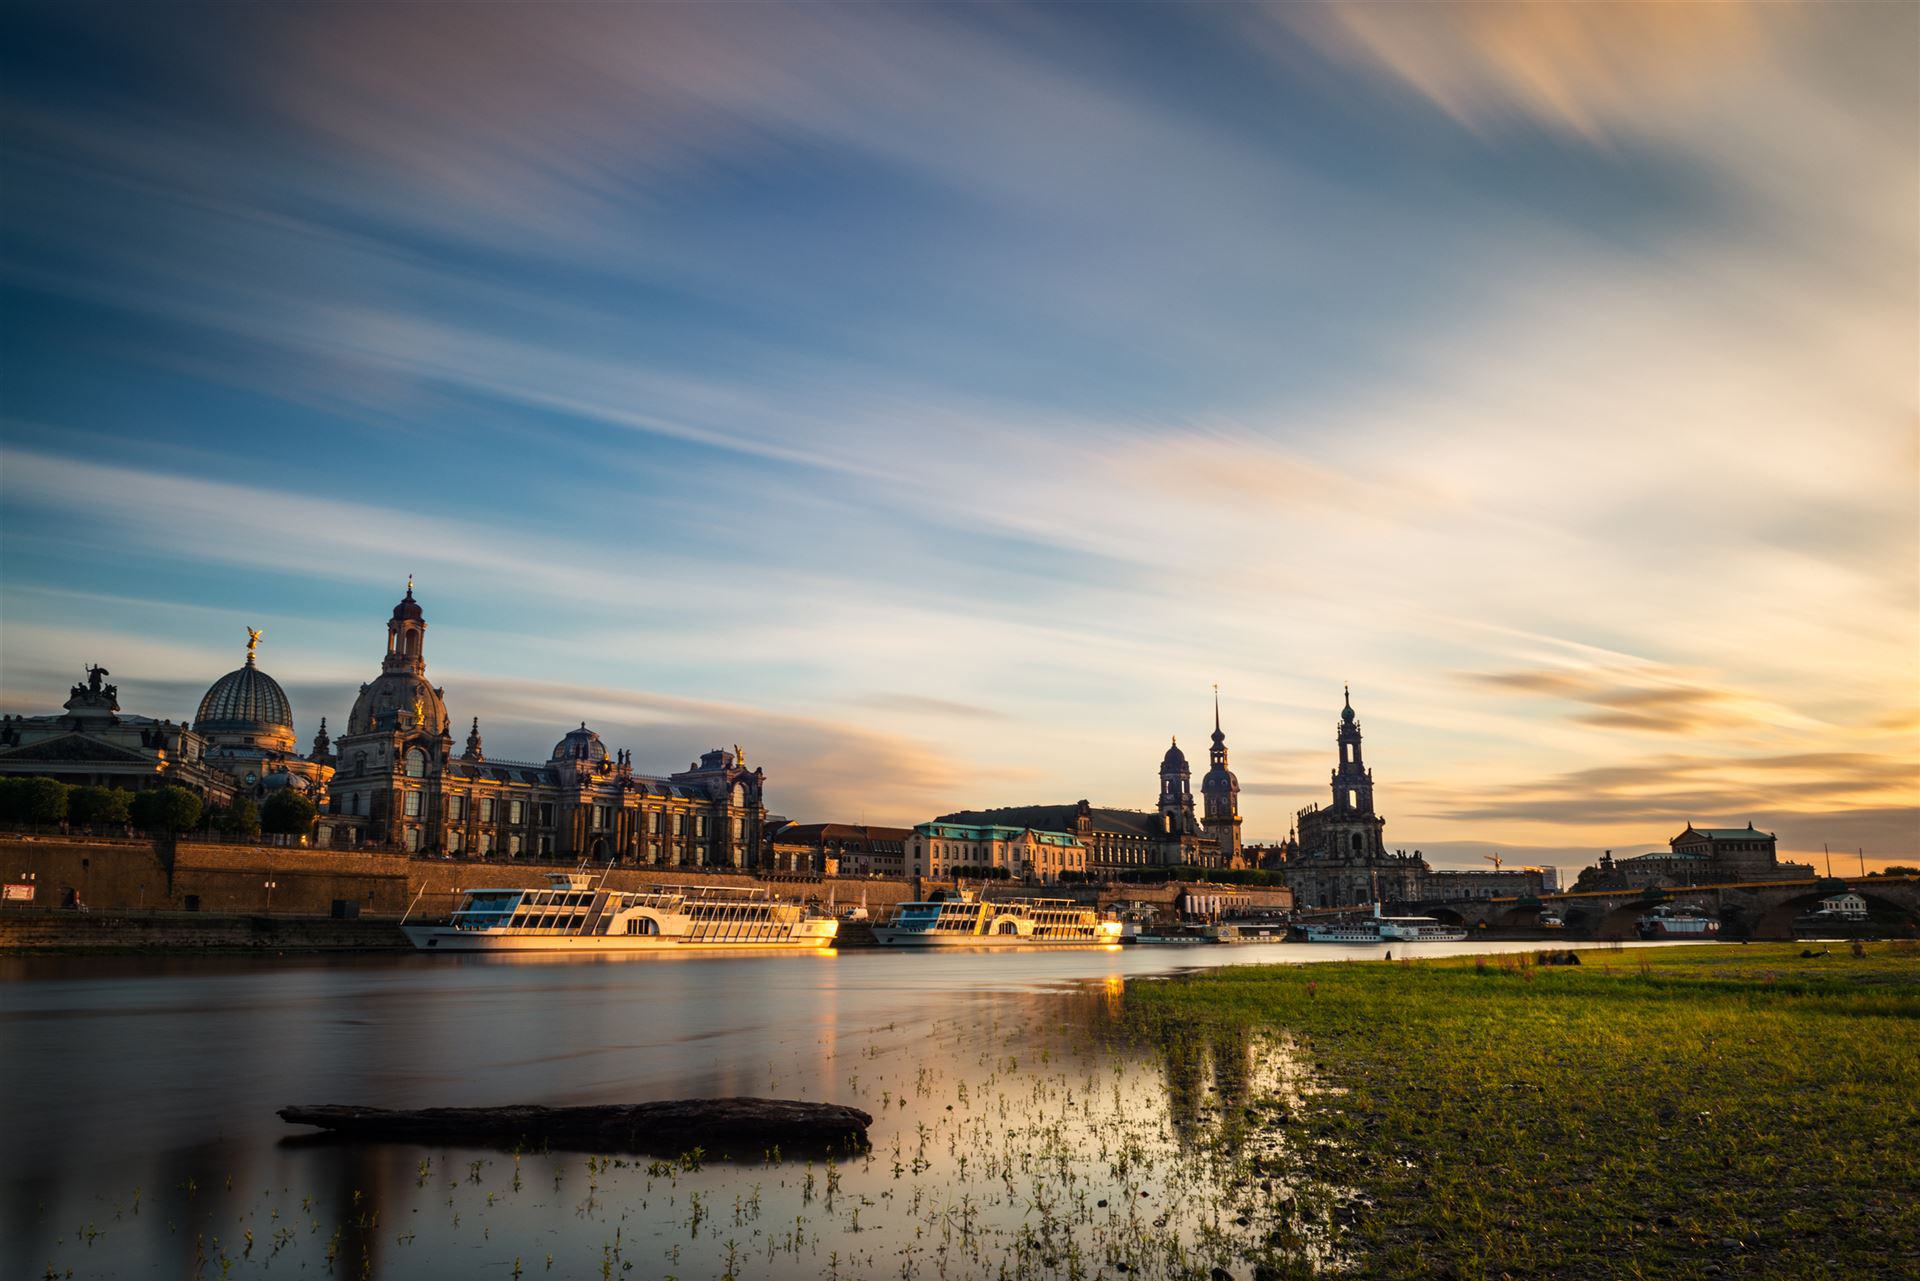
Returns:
(253, 640)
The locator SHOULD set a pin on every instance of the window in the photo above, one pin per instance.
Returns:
(546, 815)
(359, 763)
(679, 824)
(456, 841)
(1353, 797)
(486, 809)
(456, 807)
(486, 842)
(413, 805)
(700, 825)
(416, 763)
(659, 823)
(513, 845)
(413, 840)
(516, 813)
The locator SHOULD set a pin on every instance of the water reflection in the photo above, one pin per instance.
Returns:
(1021, 1121)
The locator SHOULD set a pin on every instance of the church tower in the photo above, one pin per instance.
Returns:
(1176, 789)
(1220, 795)
(1352, 780)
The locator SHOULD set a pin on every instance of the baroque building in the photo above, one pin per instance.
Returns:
(246, 721)
(1220, 795)
(1698, 856)
(400, 785)
(1172, 834)
(94, 743)
(1342, 859)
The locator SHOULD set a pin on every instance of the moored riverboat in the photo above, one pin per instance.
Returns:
(1384, 929)
(1670, 921)
(575, 915)
(966, 920)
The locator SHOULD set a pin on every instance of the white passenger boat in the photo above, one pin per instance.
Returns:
(575, 915)
(1385, 929)
(1668, 921)
(966, 920)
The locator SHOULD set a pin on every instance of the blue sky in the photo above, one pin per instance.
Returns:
(938, 401)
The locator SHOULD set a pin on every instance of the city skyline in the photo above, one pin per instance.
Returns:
(1547, 374)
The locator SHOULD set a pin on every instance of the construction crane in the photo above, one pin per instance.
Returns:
(1494, 859)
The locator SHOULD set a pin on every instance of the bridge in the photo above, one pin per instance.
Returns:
(1756, 909)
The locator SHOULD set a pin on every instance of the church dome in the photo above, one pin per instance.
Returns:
(580, 744)
(1174, 757)
(246, 703)
(398, 702)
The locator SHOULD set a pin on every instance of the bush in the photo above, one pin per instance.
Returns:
(99, 805)
(164, 810)
(288, 814)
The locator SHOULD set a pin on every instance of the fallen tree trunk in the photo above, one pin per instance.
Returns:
(720, 1127)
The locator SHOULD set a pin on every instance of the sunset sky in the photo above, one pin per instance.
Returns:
(938, 402)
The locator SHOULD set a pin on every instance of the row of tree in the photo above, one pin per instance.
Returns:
(47, 802)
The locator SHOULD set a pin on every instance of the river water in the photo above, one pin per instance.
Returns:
(1017, 1132)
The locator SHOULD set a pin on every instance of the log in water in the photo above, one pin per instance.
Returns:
(670, 1127)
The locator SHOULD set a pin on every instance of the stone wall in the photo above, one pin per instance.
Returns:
(115, 874)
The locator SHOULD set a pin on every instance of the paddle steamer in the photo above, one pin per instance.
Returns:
(575, 915)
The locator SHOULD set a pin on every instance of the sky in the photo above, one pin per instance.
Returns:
(939, 402)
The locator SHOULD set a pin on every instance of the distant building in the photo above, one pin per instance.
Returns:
(840, 849)
(1342, 859)
(398, 775)
(94, 743)
(939, 848)
(1492, 882)
(1172, 834)
(1698, 856)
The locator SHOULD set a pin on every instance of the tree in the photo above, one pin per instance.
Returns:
(43, 800)
(240, 818)
(99, 805)
(1895, 869)
(288, 813)
(13, 799)
(165, 810)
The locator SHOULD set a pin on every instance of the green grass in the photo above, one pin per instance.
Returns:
(1672, 1112)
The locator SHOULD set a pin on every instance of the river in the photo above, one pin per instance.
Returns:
(1013, 1132)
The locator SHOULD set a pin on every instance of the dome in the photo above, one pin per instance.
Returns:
(248, 702)
(580, 743)
(1346, 713)
(398, 701)
(1174, 757)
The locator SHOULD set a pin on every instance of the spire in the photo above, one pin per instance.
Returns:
(474, 752)
(322, 745)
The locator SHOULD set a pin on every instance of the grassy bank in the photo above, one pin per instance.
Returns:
(1712, 1111)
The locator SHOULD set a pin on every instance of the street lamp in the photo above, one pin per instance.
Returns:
(270, 885)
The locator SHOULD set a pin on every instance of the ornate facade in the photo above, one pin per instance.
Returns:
(399, 778)
(1341, 859)
(247, 723)
(94, 743)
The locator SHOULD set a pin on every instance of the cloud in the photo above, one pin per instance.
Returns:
(1581, 69)
(917, 705)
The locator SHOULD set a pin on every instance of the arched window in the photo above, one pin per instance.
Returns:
(359, 763)
(416, 763)
(1356, 843)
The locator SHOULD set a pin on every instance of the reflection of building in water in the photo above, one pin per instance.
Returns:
(1191, 1057)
